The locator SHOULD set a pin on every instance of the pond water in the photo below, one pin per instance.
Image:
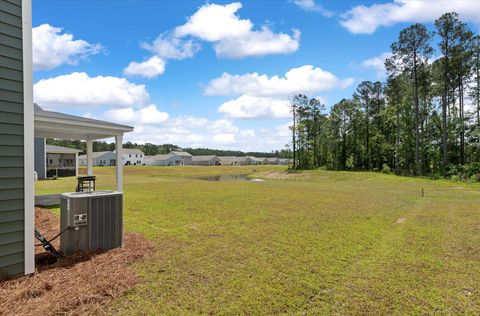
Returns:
(230, 177)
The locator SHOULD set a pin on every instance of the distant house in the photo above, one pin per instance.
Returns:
(132, 156)
(283, 161)
(186, 157)
(205, 161)
(100, 158)
(61, 161)
(251, 160)
(270, 161)
(164, 160)
(55, 161)
(237, 161)
(229, 160)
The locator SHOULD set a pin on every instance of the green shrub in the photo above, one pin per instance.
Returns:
(350, 162)
(386, 168)
(455, 178)
(475, 177)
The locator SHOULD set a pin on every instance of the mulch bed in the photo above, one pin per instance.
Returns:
(79, 284)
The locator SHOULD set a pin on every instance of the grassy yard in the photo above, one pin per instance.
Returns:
(311, 243)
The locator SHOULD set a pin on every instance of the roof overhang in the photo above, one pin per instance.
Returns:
(50, 124)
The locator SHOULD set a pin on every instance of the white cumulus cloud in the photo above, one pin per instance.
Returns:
(147, 115)
(311, 5)
(214, 22)
(170, 47)
(377, 63)
(226, 138)
(248, 107)
(234, 37)
(305, 79)
(52, 48)
(151, 68)
(79, 90)
(363, 19)
(258, 43)
(230, 36)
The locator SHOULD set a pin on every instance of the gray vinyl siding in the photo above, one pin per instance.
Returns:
(11, 139)
(39, 158)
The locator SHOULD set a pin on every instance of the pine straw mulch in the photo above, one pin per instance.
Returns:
(78, 285)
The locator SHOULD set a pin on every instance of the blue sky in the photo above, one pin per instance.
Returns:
(198, 73)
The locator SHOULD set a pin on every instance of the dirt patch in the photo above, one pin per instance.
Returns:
(80, 284)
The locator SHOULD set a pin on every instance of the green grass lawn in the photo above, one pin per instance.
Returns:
(317, 242)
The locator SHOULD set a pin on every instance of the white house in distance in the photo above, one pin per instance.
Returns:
(205, 160)
(133, 157)
(186, 157)
(100, 158)
(164, 160)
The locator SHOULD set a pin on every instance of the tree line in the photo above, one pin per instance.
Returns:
(424, 119)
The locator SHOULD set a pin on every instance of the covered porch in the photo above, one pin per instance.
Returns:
(49, 124)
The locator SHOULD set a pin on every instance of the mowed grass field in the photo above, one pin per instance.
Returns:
(314, 243)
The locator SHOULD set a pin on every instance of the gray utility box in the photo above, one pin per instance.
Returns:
(92, 220)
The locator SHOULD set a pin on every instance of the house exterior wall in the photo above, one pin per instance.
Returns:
(133, 159)
(173, 160)
(186, 160)
(210, 162)
(107, 159)
(39, 158)
(12, 141)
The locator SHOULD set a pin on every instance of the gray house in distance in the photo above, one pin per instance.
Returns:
(270, 161)
(100, 159)
(230, 161)
(186, 157)
(61, 161)
(55, 161)
(164, 160)
(205, 161)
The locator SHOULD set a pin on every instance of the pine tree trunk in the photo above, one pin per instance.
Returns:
(417, 119)
(294, 140)
(397, 140)
(368, 135)
(444, 110)
(462, 123)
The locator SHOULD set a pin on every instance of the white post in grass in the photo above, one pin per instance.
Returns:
(119, 162)
(89, 157)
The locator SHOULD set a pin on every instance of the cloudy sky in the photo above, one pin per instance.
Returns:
(215, 74)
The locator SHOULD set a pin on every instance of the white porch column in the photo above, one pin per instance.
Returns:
(89, 157)
(29, 149)
(119, 162)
